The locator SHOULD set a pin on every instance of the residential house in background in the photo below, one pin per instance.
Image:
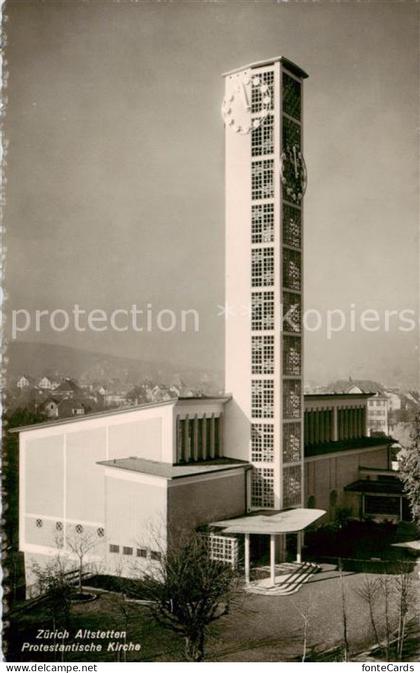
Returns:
(378, 403)
(25, 382)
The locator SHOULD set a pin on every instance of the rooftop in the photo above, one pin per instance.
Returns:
(379, 486)
(121, 410)
(338, 395)
(364, 385)
(259, 64)
(345, 445)
(168, 471)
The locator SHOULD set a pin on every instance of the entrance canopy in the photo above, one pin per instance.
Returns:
(290, 521)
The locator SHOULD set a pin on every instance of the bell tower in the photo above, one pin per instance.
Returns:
(265, 183)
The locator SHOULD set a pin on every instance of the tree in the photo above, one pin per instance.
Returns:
(81, 544)
(409, 464)
(54, 583)
(405, 599)
(368, 592)
(189, 591)
(305, 613)
(346, 648)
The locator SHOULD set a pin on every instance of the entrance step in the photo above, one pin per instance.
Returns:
(289, 581)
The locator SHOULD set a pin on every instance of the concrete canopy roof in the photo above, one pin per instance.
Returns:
(169, 471)
(290, 521)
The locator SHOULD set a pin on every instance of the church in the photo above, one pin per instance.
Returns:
(263, 460)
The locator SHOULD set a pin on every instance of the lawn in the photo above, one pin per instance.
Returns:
(269, 628)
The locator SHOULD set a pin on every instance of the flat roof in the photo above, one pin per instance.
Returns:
(376, 486)
(343, 445)
(314, 396)
(289, 521)
(168, 471)
(295, 69)
(120, 410)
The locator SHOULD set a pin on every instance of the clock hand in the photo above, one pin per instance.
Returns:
(245, 96)
(295, 160)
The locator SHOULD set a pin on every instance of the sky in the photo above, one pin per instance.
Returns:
(115, 192)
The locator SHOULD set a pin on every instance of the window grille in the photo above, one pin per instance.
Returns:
(291, 134)
(292, 486)
(291, 269)
(262, 442)
(262, 139)
(292, 399)
(262, 399)
(263, 354)
(39, 523)
(292, 233)
(291, 96)
(262, 304)
(78, 528)
(59, 525)
(262, 179)
(114, 549)
(100, 532)
(262, 487)
(292, 356)
(128, 551)
(292, 434)
(263, 223)
(258, 80)
(224, 548)
(262, 272)
(292, 313)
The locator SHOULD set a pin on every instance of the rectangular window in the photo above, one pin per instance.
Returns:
(216, 437)
(262, 398)
(128, 551)
(262, 305)
(262, 442)
(257, 95)
(263, 354)
(292, 356)
(142, 552)
(291, 134)
(291, 96)
(114, 549)
(200, 439)
(292, 399)
(262, 179)
(292, 486)
(223, 548)
(262, 223)
(262, 487)
(262, 271)
(292, 270)
(155, 555)
(292, 313)
(292, 452)
(292, 231)
(262, 138)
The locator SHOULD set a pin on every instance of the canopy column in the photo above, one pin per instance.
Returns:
(273, 559)
(299, 547)
(247, 558)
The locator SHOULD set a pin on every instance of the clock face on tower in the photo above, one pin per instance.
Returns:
(293, 174)
(236, 107)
